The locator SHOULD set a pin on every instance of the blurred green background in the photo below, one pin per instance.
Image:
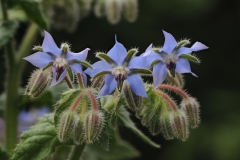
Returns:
(216, 23)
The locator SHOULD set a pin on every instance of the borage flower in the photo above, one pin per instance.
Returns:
(172, 57)
(119, 65)
(61, 59)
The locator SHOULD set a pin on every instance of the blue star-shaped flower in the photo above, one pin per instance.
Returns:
(61, 59)
(119, 65)
(169, 58)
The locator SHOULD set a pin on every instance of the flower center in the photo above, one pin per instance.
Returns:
(120, 73)
(60, 64)
(170, 61)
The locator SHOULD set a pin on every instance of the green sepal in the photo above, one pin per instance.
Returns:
(130, 54)
(190, 58)
(83, 63)
(49, 64)
(105, 57)
(100, 74)
(141, 71)
(182, 43)
(7, 31)
(32, 10)
(124, 118)
(156, 50)
(70, 73)
(154, 62)
(38, 142)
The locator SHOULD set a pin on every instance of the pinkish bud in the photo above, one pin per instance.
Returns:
(39, 81)
(191, 107)
(179, 124)
(78, 131)
(94, 122)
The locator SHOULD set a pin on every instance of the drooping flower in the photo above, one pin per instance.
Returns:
(172, 57)
(120, 65)
(61, 59)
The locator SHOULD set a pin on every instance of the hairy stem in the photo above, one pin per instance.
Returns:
(175, 89)
(168, 99)
(80, 80)
(77, 152)
(69, 83)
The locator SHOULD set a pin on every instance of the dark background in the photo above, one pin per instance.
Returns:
(212, 22)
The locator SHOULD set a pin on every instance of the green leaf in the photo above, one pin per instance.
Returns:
(124, 117)
(7, 31)
(105, 57)
(190, 58)
(3, 153)
(119, 150)
(32, 9)
(38, 142)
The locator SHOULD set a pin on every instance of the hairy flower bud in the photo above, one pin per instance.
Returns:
(39, 81)
(99, 8)
(179, 124)
(130, 8)
(113, 10)
(166, 127)
(66, 124)
(134, 102)
(191, 107)
(78, 131)
(94, 122)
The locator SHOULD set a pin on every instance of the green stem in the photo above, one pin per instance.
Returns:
(77, 152)
(14, 72)
(80, 80)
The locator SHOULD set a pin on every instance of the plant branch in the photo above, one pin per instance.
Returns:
(77, 152)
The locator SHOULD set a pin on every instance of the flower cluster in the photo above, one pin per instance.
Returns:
(85, 113)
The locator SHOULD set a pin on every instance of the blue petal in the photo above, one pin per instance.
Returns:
(183, 66)
(136, 84)
(118, 53)
(159, 73)
(169, 44)
(197, 46)
(54, 82)
(81, 56)
(76, 67)
(184, 50)
(109, 85)
(99, 66)
(137, 62)
(49, 45)
(147, 51)
(39, 59)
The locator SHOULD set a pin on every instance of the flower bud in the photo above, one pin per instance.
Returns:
(113, 10)
(78, 131)
(191, 107)
(134, 102)
(39, 81)
(65, 127)
(130, 10)
(179, 124)
(99, 8)
(94, 122)
(166, 127)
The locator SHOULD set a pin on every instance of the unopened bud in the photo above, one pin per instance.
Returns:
(94, 122)
(130, 10)
(113, 10)
(65, 128)
(38, 82)
(99, 8)
(78, 131)
(179, 124)
(191, 107)
(134, 101)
